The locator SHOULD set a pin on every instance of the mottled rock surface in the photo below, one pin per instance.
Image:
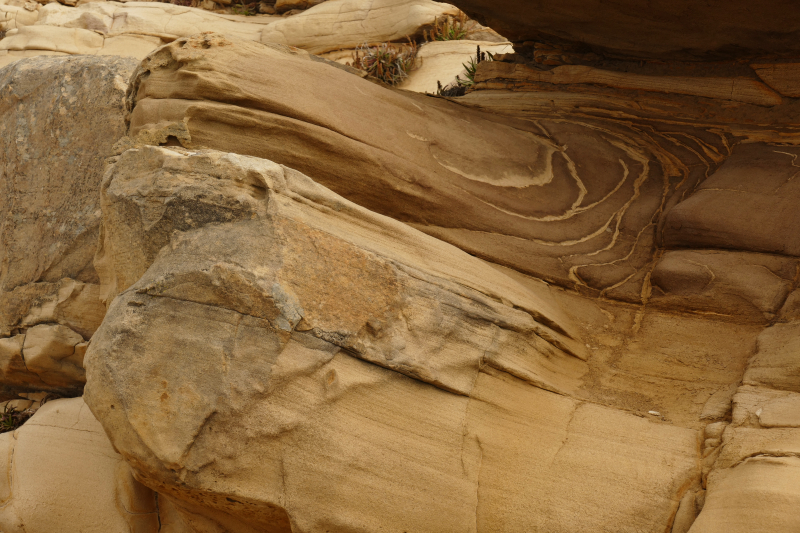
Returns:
(300, 405)
(59, 119)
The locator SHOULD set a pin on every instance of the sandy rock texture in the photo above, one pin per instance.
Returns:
(303, 301)
(659, 309)
(134, 29)
(58, 472)
(59, 119)
(337, 24)
(342, 383)
(442, 61)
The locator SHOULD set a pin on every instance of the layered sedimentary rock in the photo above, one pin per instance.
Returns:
(566, 301)
(677, 29)
(614, 184)
(589, 189)
(257, 397)
(54, 138)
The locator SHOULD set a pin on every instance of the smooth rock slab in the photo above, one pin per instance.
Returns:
(58, 472)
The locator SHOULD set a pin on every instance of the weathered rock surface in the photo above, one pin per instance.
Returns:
(645, 237)
(134, 29)
(242, 382)
(339, 24)
(442, 61)
(59, 119)
(590, 192)
(567, 301)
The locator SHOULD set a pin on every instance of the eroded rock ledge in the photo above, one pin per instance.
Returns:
(290, 358)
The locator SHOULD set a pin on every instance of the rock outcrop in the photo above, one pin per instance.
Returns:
(58, 472)
(245, 365)
(54, 138)
(679, 29)
(305, 301)
(614, 200)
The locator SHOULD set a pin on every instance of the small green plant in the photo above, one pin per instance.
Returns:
(11, 419)
(449, 28)
(459, 86)
(472, 66)
(247, 10)
(388, 62)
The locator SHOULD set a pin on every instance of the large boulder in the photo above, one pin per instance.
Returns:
(59, 119)
(281, 359)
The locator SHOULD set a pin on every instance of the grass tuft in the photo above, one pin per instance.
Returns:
(11, 419)
(459, 88)
(449, 28)
(390, 63)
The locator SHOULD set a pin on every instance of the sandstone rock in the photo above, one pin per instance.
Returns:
(6, 57)
(761, 407)
(733, 283)
(256, 397)
(775, 364)
(58, 472)
(783, 77)
(50, 353)
(681, 28)
(760, 494)
(748, 204)
(66, 40)
(442, 61)
(282, 6)
(133, 29)
(15, 17)
(70, 303)
(449, 169)
(58, 121)
(752, 483)
(12, 366)
(337, 24)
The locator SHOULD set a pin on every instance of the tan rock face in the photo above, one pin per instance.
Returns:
(58, 121)
(312, 396)
(58, 472)
(621, 199)
(337, 24)
(567, 301)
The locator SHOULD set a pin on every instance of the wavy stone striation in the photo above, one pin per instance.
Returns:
(291, 361)
(654, 363)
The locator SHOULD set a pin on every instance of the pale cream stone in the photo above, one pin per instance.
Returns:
(59, 473)
(442, 61)
(339, 24)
